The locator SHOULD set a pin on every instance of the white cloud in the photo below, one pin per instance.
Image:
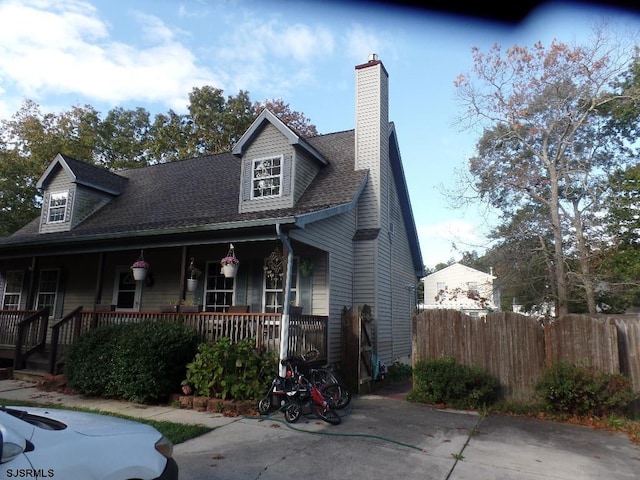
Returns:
(272, 55)
(361, 41)
(64, 48)
(51, 51)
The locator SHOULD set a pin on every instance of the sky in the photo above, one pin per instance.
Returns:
(152, 53)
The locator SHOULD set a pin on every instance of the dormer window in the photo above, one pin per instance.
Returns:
(267, 177)
(57, 207)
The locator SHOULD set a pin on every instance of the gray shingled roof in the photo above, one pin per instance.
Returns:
(202, 192)
(90, 176)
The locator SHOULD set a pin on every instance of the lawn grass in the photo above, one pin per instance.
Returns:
(175, 432)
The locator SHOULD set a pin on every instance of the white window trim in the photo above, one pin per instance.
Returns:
(6, 285)
(280, 176)
(65, 207)
(215, 267)
(54, 292)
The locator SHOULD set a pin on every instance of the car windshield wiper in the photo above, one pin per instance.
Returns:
(36, 420)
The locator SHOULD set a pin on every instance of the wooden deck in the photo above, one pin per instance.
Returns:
(24, 332)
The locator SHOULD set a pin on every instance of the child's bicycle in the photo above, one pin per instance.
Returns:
(309, 399)
(322, 377)
(283, 390)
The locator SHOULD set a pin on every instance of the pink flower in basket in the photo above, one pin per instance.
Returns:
(231, 258)
(140, 262)
(229, 261)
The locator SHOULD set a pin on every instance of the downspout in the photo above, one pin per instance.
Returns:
(284, 323)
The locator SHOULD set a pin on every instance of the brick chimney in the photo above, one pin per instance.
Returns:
(372, 139)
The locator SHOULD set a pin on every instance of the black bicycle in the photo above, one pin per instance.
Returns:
(322, 377)
(310, 399)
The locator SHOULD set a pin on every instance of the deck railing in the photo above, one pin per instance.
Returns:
(306, 332)
(30, 334)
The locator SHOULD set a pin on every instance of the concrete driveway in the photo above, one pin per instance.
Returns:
(381, 437)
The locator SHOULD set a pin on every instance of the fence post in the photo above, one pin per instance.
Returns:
(548, 353)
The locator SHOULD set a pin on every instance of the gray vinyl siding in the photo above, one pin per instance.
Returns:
(77, 281)
(305, 169)
(61, 182)
(365, 285)
(85, 203)
(333, 235)
(404, 279)
(81, 202)
(313, 290)
(269, 143)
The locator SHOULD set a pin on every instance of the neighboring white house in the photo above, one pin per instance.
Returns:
(461, 288)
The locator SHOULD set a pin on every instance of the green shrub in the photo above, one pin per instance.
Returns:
(444, 381)
(577, 390)
(397, 371)
(229, 371)
(142, 362)
(89, 362)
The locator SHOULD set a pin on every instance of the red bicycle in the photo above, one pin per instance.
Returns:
(310, 399)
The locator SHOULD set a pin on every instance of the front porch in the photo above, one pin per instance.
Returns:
(26, 335)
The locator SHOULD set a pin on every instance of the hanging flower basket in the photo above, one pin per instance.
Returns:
(192, 283)
(140, 268)
(229, 271)
(230, 263)
(194, 274)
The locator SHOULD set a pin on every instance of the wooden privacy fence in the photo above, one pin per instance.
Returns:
(515, 348)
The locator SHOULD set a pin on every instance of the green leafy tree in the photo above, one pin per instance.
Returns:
(30, 140)
(214, 123)
(167, 138)
(124, 136)
(620, 265)
(544, 147)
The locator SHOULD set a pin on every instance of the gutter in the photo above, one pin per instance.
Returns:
(284, 324)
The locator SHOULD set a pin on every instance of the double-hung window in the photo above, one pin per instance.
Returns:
(127, 293)
(266, 177)
(12, 290)
(47, 290)
(218, 294)
(57, 207)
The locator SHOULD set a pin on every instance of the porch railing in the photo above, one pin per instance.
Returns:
(306, 332)
(31, 335)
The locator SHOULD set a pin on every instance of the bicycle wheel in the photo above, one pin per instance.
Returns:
(337, 394)
(293, 412)
(264, 405)
(329, 415)
(322, 376)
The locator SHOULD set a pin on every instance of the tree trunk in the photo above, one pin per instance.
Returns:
(583, 261)
(562, 296)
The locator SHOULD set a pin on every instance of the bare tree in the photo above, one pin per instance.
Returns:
(544, 146)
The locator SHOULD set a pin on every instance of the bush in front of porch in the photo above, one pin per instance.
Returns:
(229, 371)
(141, 362)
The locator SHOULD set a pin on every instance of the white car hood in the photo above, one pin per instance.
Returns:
(90, 424)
